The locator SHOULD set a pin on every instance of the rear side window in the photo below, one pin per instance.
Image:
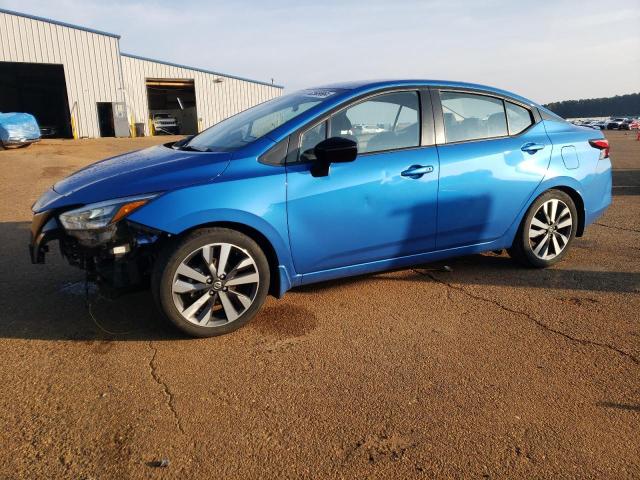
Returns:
(472, 117)
(519, 118)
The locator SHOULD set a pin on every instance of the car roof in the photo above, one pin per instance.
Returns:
(390, 83)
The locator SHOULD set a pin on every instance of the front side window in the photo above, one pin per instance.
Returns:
(310, 139)
(250, 125)
(519, 118)
(471, 117)
(385, 122)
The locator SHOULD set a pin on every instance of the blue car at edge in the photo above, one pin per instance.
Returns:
(323, 183)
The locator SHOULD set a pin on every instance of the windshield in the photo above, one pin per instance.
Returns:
(255, 123)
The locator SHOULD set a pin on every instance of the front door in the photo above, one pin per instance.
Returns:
(382, 205)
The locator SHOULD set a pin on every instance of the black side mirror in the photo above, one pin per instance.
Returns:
(333, 150)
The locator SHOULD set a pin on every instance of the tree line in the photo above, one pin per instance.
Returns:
(618, 106)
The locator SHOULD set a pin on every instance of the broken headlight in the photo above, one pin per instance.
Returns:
(102, 214)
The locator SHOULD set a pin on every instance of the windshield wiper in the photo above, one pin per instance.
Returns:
(189, 148)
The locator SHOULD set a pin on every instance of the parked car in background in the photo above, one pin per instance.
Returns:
(165, 123)
(216, 222)
(48, 131)
(616, 124)
(18, 130)
(600, 124)
(635, 124)
(625, 125)
(369, 129)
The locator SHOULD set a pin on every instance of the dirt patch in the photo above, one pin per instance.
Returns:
(380, 447)
(101, 347)
(57, 172)
(579, 301)
(285, 321)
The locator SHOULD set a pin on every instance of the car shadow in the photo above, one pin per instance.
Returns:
(497, 270)
(50, 302)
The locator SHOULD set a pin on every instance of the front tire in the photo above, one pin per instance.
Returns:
(547, 231)
(211, 282)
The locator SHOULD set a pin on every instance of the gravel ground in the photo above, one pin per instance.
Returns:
(487, 371)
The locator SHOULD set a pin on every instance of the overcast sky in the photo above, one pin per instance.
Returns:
(544, 50)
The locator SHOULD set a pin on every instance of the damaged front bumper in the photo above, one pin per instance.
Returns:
(118, 257)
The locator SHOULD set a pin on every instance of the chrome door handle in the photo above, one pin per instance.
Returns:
(417, 171)
(531, 147)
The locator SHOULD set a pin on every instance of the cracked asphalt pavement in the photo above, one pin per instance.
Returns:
(485, 371)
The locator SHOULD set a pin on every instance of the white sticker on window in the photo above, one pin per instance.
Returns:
(319, 93)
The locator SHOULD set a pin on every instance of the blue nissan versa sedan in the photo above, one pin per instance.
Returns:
(325, 183)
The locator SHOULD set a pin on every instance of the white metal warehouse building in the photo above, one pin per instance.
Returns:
(76, 82)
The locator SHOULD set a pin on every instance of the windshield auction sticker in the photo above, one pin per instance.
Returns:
(320, 93)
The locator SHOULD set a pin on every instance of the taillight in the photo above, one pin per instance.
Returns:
(602, 145)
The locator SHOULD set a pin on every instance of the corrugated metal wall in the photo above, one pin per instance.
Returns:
(215, 101)
(95, 71)
(91, 62)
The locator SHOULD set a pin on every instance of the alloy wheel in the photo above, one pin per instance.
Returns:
(550, 229)
(215, 284)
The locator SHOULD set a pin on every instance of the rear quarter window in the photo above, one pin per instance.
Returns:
(518, 118)
(550, 116)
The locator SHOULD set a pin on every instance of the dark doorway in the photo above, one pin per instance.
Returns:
(105, 119)
(38, 89)
(172, 106)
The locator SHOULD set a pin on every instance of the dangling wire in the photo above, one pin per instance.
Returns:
(89, 306)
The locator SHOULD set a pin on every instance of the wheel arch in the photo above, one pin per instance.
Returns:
(277, 285)
(555, 184)
(578, 202)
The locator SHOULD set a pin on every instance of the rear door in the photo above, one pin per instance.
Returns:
(366, 210)
(493, 152)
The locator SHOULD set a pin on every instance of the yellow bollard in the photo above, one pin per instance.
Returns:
(74, 132)
(132, 127)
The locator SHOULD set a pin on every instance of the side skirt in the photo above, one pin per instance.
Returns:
(400, 262)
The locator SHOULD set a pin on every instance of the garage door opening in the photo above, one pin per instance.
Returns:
(172, 106)
(38, 89)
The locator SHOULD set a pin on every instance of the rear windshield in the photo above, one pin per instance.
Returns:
(248, 126)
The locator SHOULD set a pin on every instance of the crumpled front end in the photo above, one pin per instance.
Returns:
(117, 257)
(88, 212)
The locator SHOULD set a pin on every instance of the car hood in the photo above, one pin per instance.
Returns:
(155, 169)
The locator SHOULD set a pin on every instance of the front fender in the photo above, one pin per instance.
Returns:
(231, 201)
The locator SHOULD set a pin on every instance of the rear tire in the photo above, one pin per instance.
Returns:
(547, 231)
(211, 282)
